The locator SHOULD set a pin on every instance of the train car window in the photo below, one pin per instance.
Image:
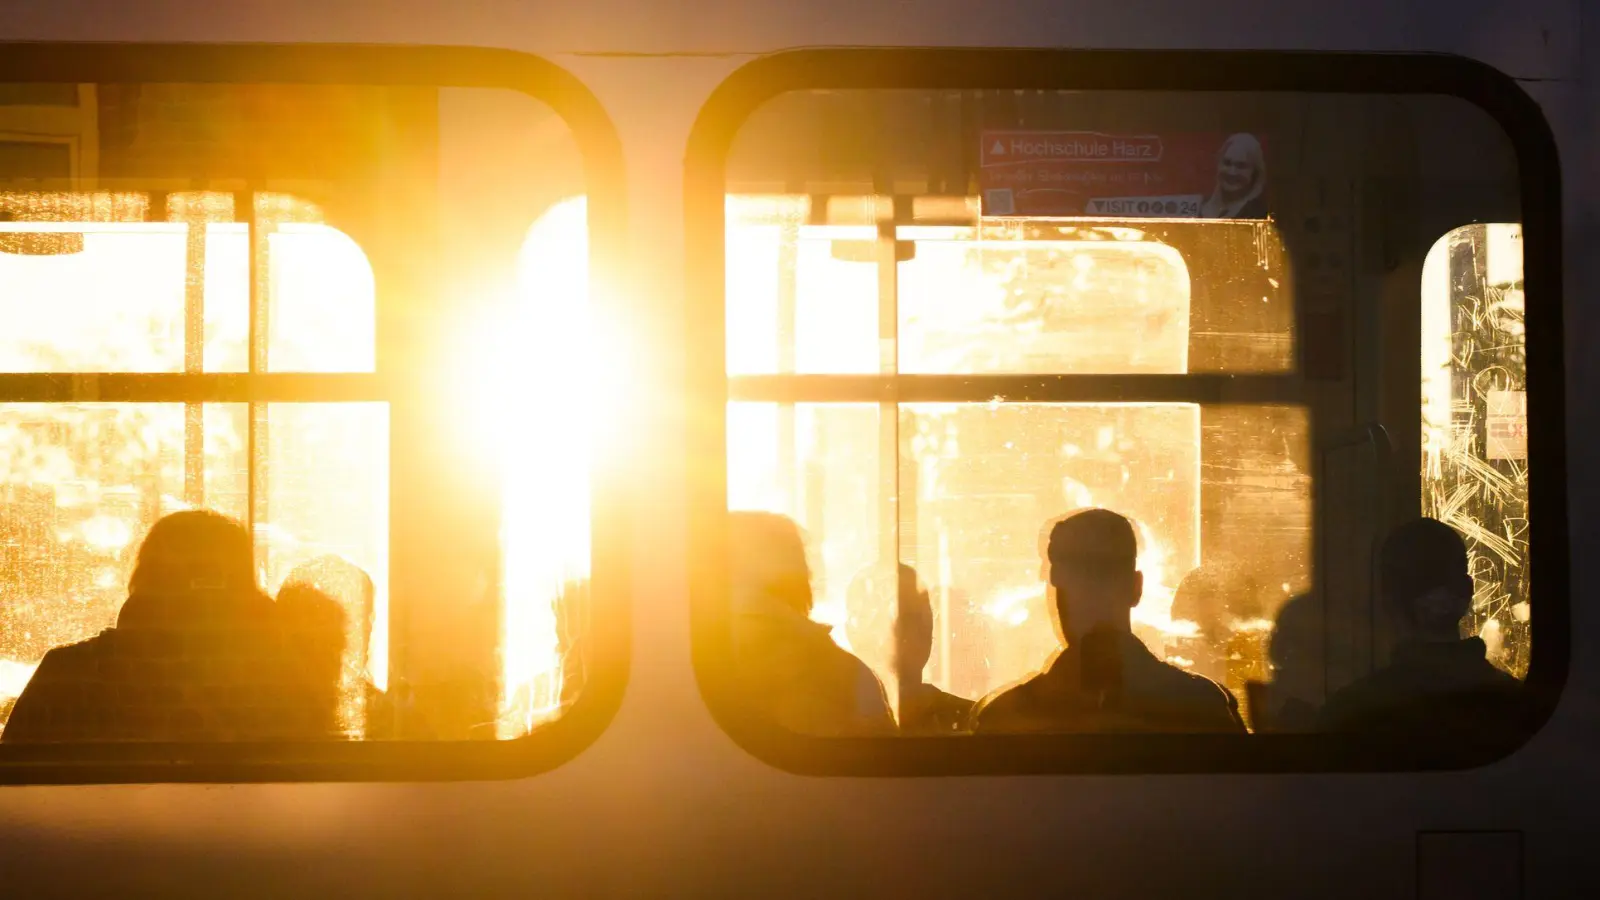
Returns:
(288, 463)
(1475, 424)
(1057, 416)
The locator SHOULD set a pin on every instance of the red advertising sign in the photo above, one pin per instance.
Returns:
(1089, 173)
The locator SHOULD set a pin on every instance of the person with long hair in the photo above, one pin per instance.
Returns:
(1240, 190)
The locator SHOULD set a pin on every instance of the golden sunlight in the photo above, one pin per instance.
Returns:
(975, 482)
(542, 392)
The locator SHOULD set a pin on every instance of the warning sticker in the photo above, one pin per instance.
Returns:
(1507, 433)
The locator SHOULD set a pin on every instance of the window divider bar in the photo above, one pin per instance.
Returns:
(1201, 388)
(246, 209)
(182, 387)
(194, 342)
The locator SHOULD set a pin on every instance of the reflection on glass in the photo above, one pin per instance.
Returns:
(974, 304)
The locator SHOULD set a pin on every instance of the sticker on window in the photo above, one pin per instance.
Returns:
(1508, 425)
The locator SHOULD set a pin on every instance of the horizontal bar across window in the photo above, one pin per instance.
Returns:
(1018, 388)
(240, 387)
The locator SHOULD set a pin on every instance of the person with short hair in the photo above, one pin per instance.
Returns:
(788, 665)
(1435, 680)
(198, 654)
(1105, 679)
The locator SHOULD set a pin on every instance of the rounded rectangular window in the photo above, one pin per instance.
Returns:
(279, 467)
(1052, 413)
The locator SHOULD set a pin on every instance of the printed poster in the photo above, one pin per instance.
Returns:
(1090, 173)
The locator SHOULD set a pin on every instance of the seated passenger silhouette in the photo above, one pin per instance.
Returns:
(1289, 703)
(350, 588)
(788, 665)
(924, 709)
(1436, 681)
(1202, 598)
(197, 653)
(314, 625)
(1105, 680)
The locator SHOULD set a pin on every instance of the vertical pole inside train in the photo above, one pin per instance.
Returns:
(196, 224)
(888, 405)
(245, 209)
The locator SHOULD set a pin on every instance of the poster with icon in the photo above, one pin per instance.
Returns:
(1186, 175)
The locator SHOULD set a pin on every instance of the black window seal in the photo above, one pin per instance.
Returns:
(762, 79)
(548, 746)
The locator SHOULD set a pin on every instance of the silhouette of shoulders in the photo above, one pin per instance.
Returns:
(1427, 686)
(1153, 696)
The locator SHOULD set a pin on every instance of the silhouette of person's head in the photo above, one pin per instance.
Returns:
(193, 565)
(1294, 650)
(1201, 598)
(348, 586)
(1423, 579)
(1240, 166)
(1213, 598)
(1093, 569)
(315, 624)
(768, 558)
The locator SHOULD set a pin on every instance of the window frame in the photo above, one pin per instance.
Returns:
(711, 389)
(606, 659)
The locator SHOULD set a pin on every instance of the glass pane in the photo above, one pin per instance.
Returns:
(87, 286)
(325, 508)
(1285, 555)
(1475, 424)
(975, 486)
(82, 484)
(436, 537)
(981, 300)
(798, 308)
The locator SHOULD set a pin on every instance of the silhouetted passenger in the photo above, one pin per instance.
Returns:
(352, 590)
(1202, 598)
(1435, 681)
(314, 624)
(1294, 650)
(1105, 680)
(197, 653)
(789, 665)
(924, 709)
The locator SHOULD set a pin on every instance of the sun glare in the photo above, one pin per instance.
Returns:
(543, 388)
